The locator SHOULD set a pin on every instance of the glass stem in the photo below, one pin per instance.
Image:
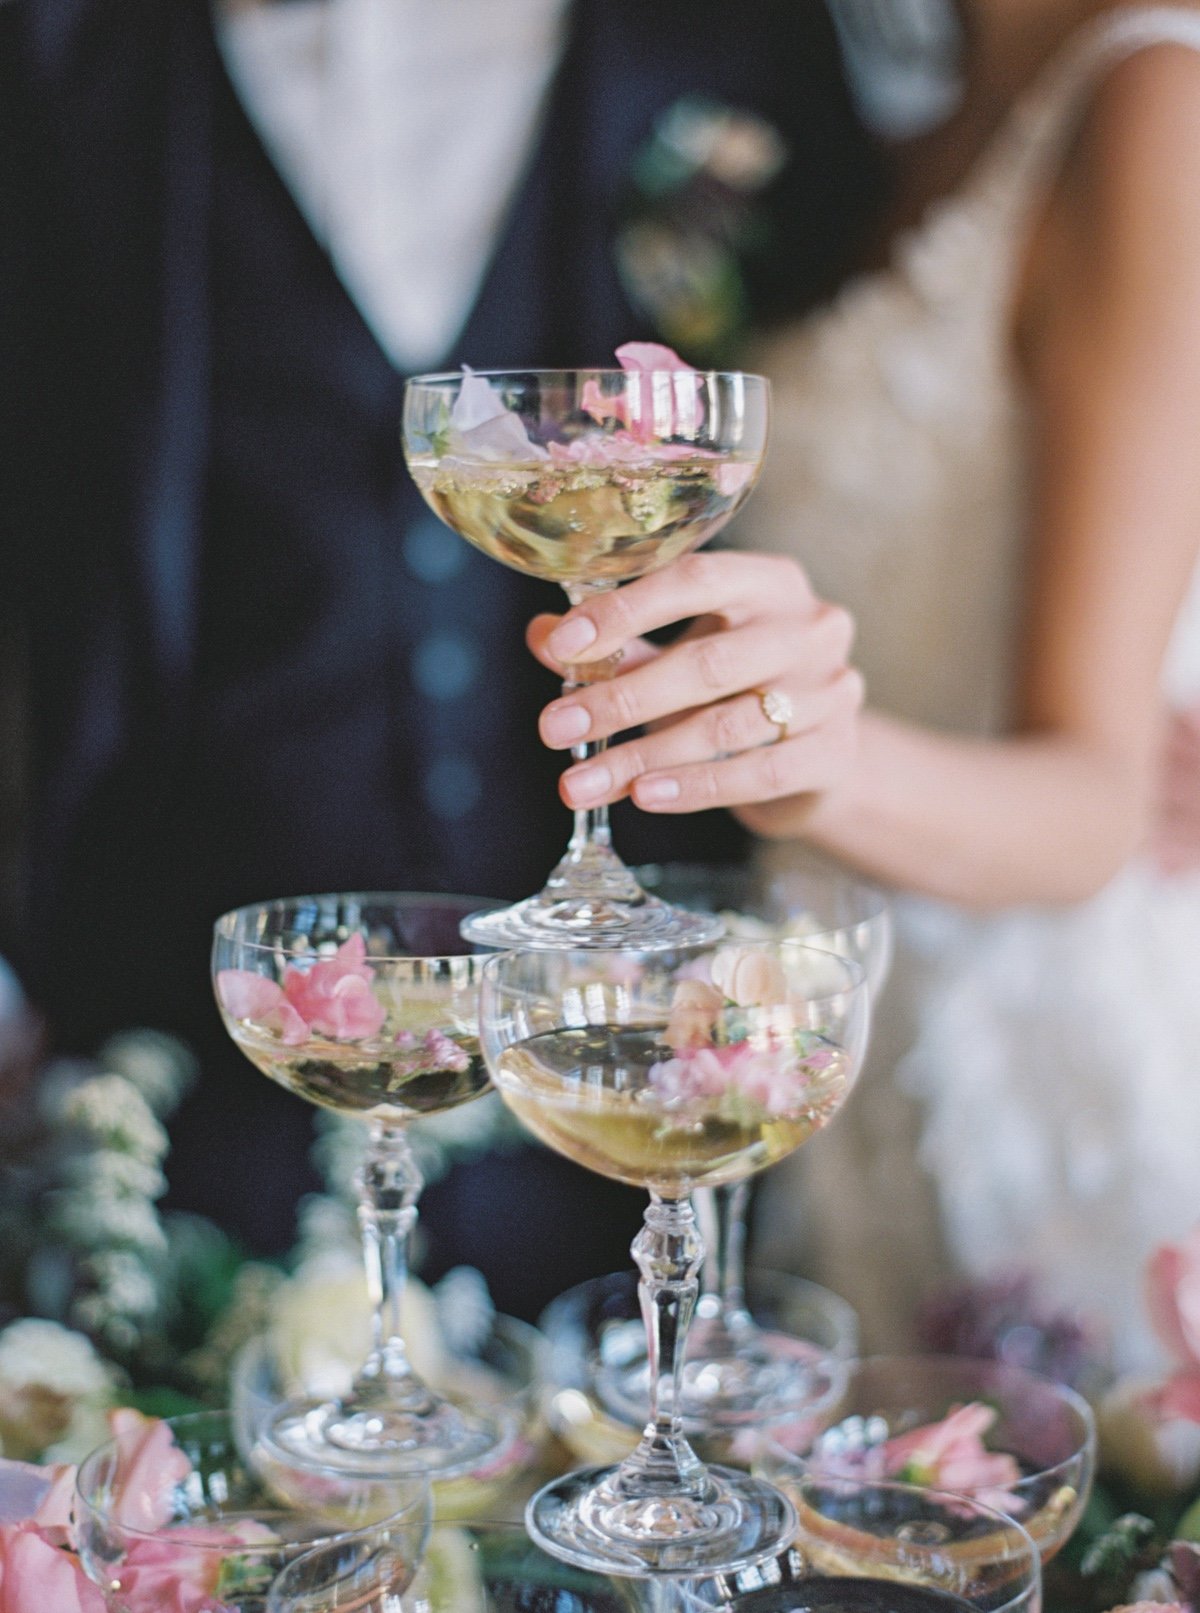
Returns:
(668, 1251)
(388, 1182)
(722, 1213)
(591, 870)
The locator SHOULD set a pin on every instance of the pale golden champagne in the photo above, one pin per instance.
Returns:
(378, 1080)
(589, 1094)
(577, 523)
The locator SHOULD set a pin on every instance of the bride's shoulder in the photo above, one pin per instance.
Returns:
(1127, 197)
(1139, 99)
(1133, 167)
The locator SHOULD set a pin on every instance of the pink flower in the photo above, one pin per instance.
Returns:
(951, 1455)
(640, 357)
(256, 1000)
(150, 1468)
(1173, 1302)
(38, 1576)
(179, 1570)
(695, 1006)
(749, 976)
(768, 1078)
(642, 409)
(1173, 1297)
(334, 997)
(482, 428)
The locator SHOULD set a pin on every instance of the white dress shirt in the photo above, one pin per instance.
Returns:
(402, 128)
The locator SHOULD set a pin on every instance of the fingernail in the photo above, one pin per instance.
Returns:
(589, 784)
(656, 791)
(563, 725)
(571, 638)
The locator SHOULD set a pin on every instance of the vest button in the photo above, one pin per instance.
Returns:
(452, 787)
(445, 665)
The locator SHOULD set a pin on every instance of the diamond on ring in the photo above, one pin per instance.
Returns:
(777, 709)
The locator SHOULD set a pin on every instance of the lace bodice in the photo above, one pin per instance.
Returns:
(898, 471)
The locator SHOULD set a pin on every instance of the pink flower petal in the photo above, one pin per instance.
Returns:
(293, 1030)
(482, 428)
(54, 1511)
(1172, 1287)
(36, 1576)
(246, 995)
(150, 1468)
(351, 956)
(1180, 1397)
(640, 357)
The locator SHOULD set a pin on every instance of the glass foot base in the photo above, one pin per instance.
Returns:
(333, 1437)
(727, 1521)
(541, 921)
(765, 1379)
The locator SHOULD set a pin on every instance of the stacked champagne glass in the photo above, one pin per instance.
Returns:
(619, 1025)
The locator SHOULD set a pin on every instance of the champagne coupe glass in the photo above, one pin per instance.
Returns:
(171, 1514)
(366, 1004)
(738, 1374)
(670, 1070)
(587, 478)
(892, 1548)
(1044, 1429)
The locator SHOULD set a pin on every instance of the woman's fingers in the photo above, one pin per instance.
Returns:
(703, 670)
(691, 761)
(732, 584)
(540, 628)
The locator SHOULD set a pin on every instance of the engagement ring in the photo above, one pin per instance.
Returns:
(777, 709)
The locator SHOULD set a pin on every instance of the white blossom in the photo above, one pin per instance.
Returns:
(113, 1111)
(34, 1351)
(160, 1067)
(127, 1286)
(90, 1222)
(104, 1173)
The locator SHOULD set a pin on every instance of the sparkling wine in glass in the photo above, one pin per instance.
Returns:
(1037, 1438)
(670, 1070)
(587, 478)
(366, 1004)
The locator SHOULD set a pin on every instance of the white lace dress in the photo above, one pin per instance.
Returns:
(1034, 1092)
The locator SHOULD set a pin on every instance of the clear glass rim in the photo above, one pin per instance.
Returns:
(225, 927)
(419, 1497)
(951, 1365)
(954, 1501)
(440, 378)
(598, 956)
(877, 901)
(959, 1364)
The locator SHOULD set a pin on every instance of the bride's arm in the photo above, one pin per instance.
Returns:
(1109, 331)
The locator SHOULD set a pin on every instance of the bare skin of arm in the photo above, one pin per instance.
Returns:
(1107, 326)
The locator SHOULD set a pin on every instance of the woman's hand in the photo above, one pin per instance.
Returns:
(757, 630)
